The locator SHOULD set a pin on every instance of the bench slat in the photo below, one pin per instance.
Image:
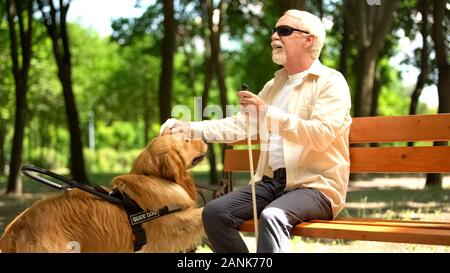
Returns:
(237, 160)
(243, 142)
(400, 160)
(369, 160)
(390, 223)
(447, 224)
(400, 128)
(432, 236)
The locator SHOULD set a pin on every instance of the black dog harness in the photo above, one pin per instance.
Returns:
(136, 215)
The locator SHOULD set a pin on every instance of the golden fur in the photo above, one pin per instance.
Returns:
(79, 221)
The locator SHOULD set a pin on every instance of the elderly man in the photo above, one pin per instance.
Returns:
(304, 118)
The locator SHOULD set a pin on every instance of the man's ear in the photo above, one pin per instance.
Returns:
(310, 39)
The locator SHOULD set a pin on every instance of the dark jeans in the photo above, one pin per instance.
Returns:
(278, 211)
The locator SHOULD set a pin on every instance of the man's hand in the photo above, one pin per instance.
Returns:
(251, 103)
(173, 126)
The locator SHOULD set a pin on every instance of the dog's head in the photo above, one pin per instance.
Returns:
(170, 157)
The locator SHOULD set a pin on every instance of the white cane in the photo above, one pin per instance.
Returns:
(252, 176)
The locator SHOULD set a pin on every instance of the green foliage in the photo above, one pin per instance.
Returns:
(127, 30)
(45, 157)
(45, 99)
(94, 60)
(120, 136)
(6, 80)
(109, 160)
(131, 86)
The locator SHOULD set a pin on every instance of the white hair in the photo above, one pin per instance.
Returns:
(313, 25)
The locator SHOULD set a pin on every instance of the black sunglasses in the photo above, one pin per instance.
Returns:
(287, 30)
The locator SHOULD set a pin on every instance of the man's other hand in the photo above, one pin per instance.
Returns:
(250, 102)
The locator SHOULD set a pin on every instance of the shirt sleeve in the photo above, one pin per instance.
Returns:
(227, 130)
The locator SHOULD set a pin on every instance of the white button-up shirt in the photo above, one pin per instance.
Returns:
(281, 102)
(315, 131)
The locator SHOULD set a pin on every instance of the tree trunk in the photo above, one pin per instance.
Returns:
(220, 67)
(285, 5)
(57, 30)
(320, 9)
(2, 12)
(213, 173)
(146, 127)
(217, 55)
(31, 139)
(213, 176)
(345, 47)
(76, 147)
(168, 50)
(377, 84)
(207, 81)
(14, 180)
(210, 66)
(439, 36)
(40, 138)
(423, 62)
(20, 69)
(364, 83)
(370, 25)
(146, 115)
(3, 132)
(189, 56)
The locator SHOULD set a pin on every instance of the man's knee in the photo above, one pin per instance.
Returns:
(274, 215)
(213, 212)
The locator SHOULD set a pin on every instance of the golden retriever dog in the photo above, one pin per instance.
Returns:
(78, 221)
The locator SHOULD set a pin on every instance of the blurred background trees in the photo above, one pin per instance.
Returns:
(79, 103)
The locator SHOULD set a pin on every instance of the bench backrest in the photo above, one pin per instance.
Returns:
(398, 159)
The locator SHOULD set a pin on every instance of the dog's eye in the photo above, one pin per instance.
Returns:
(186, 141)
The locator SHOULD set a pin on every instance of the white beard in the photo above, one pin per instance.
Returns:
(279, 58)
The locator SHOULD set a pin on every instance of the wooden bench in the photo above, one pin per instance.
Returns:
(423, 159)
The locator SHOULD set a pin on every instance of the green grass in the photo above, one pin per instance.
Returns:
(376, 202)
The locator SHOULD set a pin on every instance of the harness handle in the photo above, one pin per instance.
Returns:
(67, 183)
(31, 171)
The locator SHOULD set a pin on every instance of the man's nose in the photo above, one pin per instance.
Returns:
(275, 36)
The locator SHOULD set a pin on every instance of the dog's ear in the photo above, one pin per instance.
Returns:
(172, 165)
(146, 163)
(174, 168)
(140, 164)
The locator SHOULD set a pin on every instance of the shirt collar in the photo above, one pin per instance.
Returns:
(316, 69)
